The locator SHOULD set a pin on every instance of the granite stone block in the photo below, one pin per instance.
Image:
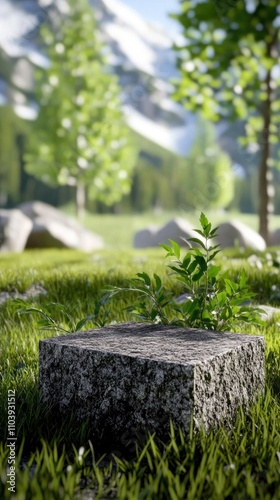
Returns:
(136, 376)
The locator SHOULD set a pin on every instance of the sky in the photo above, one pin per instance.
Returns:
(157, 11)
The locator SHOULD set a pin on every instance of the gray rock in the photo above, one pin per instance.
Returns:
(51, 233)
(34, 209)
(134, 377)
(235, 233)
(146, 237)
(51, 228)
(177, 229)
(275, 237)
(268, 312)
(36, 290)
(15, 228)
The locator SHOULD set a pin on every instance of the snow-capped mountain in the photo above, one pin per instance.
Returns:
(140, 53)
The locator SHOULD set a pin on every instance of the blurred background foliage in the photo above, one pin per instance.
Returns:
(230, 68)
(214, 174)
(79, 138)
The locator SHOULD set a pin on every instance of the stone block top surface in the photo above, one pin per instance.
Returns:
(157, 342)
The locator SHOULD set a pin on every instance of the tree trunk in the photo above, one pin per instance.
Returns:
(264, 194)
(266, 191)
(80, 200)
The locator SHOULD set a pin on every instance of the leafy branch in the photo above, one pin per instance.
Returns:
(98, 318)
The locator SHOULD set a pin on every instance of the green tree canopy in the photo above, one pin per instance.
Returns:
(79, 138)
(230, 68)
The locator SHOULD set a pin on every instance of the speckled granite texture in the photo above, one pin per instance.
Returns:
(136, 376)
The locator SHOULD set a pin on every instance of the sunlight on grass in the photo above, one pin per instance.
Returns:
(241, 463)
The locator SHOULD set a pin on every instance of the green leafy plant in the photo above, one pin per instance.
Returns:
(214, 301)
(98, 318)
(152, 298)
(211, 300)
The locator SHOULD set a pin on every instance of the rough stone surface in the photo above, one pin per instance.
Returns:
(15, 228)
(135, 377)
(235, 232)
(51, 228)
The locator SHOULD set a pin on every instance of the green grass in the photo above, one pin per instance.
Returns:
(243, 463)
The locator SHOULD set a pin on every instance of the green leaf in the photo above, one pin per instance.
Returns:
(213, 271)
(211, 248)
(186, 261)
(196, 251)
(154, 314)
(199, 232)
(213, 255)
(83, 321)
(145, 277)
(188, 307)
(176, 248)
(197, 240)
(59, 307)
(166, 247)
(192, 266)
(179, 270)
(231, 287)
(203, 220)
(222, 298)
(207, 229)
(198, 275)
(201, 262)
(44, 322)
(158, 282)
(214, 232)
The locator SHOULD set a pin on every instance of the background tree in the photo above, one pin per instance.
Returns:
(207, 179)
(230, 67)
(10, 126)
(211, 184)
(79, 138)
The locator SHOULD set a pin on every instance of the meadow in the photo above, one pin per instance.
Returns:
(56, 458)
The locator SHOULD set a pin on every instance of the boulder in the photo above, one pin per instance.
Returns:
(275, 237)
(33, 292)
(34, 209)
(15, 228)
(134, 377)
(53, 229)
(51, 233)
(146, 237)
(176, 229)
(235, 233)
